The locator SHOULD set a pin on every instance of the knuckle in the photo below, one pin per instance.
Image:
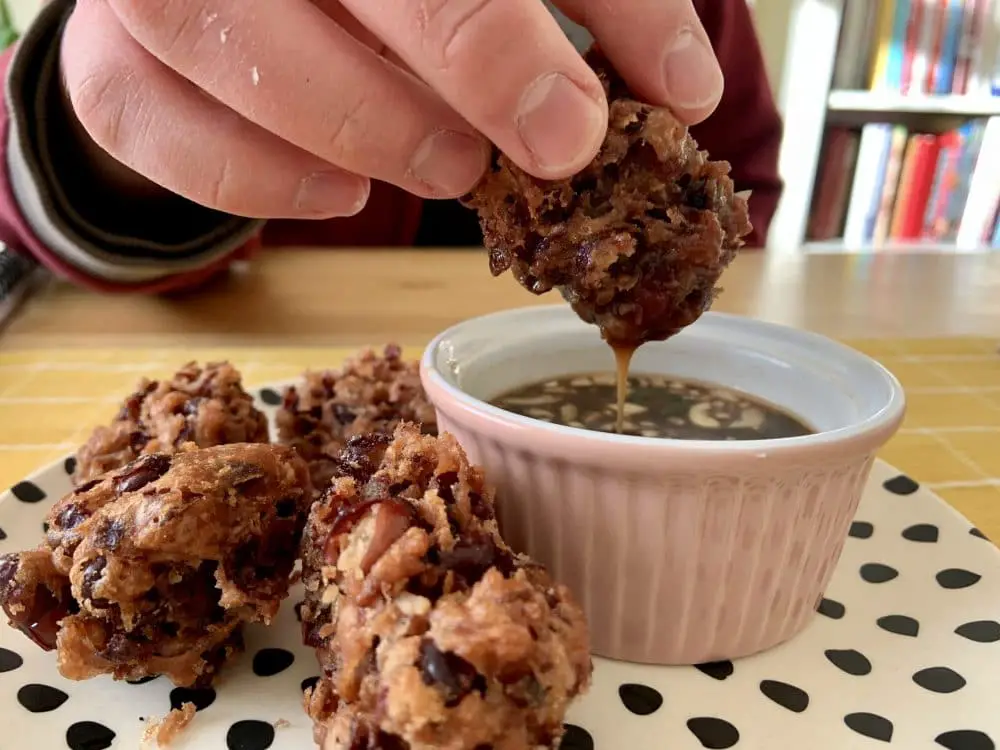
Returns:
(170, 27)
(348, 130)
(102, 100)
(449, 26)
(221, 191)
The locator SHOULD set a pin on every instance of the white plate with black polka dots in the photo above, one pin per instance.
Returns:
(905, 651)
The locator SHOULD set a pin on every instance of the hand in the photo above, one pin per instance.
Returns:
(287, 108)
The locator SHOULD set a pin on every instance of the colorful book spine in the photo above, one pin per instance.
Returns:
(878, 78)
(904, 192)
(923, 58)
(940, 21)
(971, 140)
(842, 193)
(830, 201)
(969, 37)
(913, 27)
(946, 174)
(944, 65)
(866, 182)
(897, 46)
(926, 174)
(890, 184)
(878, 184)
(986, 52)
(984, 189)
(854, 48)
(918, 183)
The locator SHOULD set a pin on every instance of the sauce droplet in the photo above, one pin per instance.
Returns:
(623, 358)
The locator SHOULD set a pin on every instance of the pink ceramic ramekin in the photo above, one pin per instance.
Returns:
(681, 552)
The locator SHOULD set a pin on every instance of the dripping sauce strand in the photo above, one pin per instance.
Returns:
(623, 358)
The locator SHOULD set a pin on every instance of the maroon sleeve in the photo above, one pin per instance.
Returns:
(746, 128)
(39, 217)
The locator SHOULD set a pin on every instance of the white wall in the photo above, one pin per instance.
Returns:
(22, 11)
(771, 18)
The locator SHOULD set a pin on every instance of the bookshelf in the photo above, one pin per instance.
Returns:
(844, 68)
(885, 102)
(835, 247)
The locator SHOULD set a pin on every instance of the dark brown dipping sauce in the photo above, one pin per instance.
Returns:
(658, 406)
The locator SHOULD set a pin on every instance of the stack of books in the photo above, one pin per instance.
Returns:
(886, 185)
(921, 47)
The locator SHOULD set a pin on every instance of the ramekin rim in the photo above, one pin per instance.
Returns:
(887, 418)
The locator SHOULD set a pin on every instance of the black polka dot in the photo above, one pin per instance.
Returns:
(900, 625)
(870, 725)
(576, 738)
(271, 661)
(69, 465)
(850, 661)
(202, 698)
(41, 698)
(957, 578)
(3, 535)
(713, 733)
(965, 739)
(785, 695)
(270, 397)
(878, 573)
(640, 699)
(309, 682)
(250, 735)
(901, 485)
(976, 532)
(28, 492)
(9, 661)
(939, 680)
(143, 680)
(831, 608)
(980, 631)
(89, 735)
(718, 670)
(921, 532)
(861, 530)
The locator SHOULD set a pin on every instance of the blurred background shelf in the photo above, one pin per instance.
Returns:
(892, 124)
(888, 102)
(831, 247)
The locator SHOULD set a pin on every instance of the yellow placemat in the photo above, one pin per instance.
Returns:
(950, 442)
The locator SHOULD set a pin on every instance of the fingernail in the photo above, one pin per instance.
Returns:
(332, 193)
(560, 124)
(691, 73)
(449, 163)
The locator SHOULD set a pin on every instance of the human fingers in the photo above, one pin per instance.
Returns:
(334, 10)
(507, 68)
(660, 47)
(161, 126)
(292, 70)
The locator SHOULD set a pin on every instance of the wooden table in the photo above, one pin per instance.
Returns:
(933, 319)
(330, 297)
